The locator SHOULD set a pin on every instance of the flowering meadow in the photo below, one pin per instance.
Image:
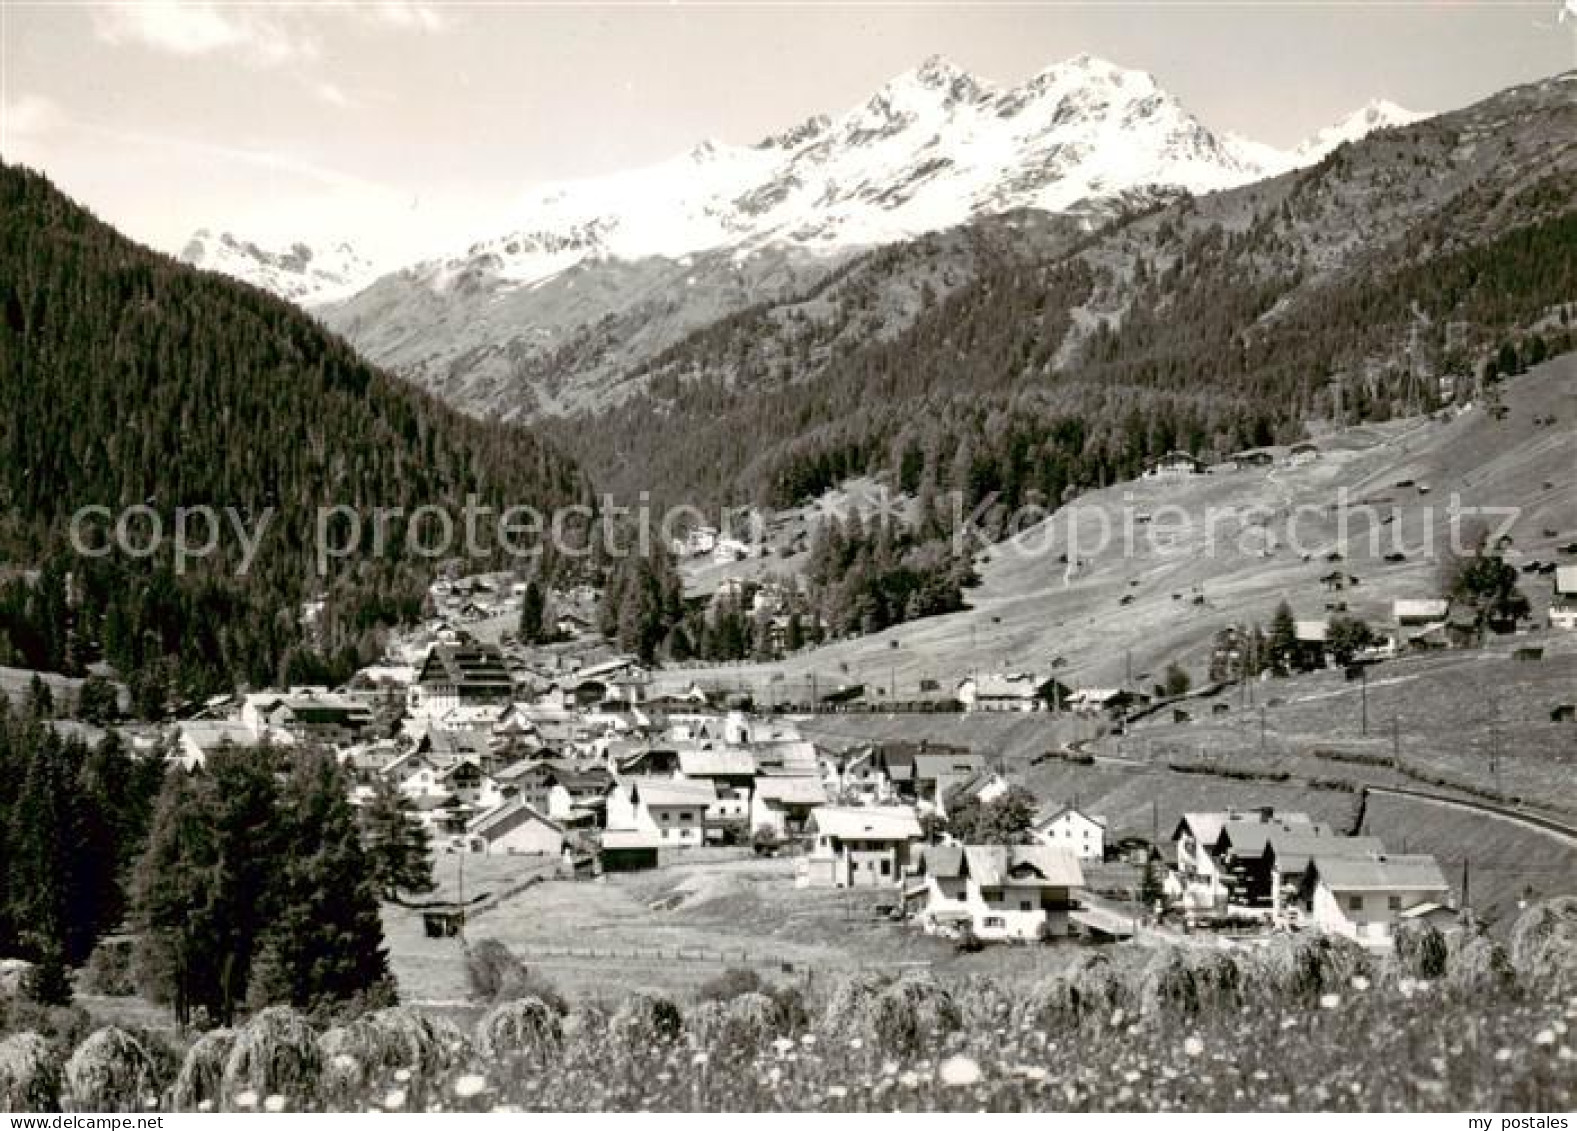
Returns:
(1302, 1023)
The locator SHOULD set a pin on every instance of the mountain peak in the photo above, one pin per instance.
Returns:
(1376, 114)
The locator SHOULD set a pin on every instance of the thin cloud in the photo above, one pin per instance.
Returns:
(29, 118)
(193, 28)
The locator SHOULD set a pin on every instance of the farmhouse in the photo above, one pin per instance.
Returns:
(1066, 827)
(671, 809)
(1013, 691)
(1279, 871)
(308, 714)
(1209, 869)
(1563, 601)
(1420, 622)
(1173, 465)
(998, 892)
(858, 847)
(515, 829)
(784, 804)
(1364, 898)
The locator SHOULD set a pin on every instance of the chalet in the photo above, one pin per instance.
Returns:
(998, 892)
(1288, 853)
(1013, 691)
(1173, 465)
(307, 714)
(938, 771)
(1208, 870)
(1255, 457)
(784, 804)
(1420, 622)
(1363, 898)
(1311, 643)
(858, 847)
(199, 738)
(671, 809)
(1563, 599)
(1064, 826)
(1105, 700)
(466, 780)
(461, 674)
(731, 770)
(515, 829)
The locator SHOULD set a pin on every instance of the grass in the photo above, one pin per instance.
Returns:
(1299, 1024)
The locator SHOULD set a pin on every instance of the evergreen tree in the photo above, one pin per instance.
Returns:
(1282, 645)
(324, 941)
(398, 848)
(533, 610)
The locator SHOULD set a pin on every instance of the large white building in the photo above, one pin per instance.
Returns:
(999, 892)
(1362, 899)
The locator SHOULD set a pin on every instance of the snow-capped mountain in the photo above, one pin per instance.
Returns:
(931, 149)
(577, 283)
(305, 276)
(1378, 114)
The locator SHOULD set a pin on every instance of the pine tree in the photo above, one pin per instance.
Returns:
(533, 609)
(324, 941)
(398, 848)
(1283, 643)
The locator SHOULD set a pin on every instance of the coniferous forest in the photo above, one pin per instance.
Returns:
(129, 379)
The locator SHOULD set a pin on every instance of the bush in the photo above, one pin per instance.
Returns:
(276, 1053)
(1421, 950)
(643, 1019)
(201, 1078)
(731, 983)
(488, 964)
(1477, 964)
(1544, 945)
(525, 1029)
(109, 970)
(29, 1074)
(111, 1071)
(911, 1015)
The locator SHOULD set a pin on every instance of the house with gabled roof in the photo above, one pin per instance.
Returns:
(672, 809)
(998, 892)
(1363, 898)
(1066, 826)
(784, 803)
(515, 829)
(858, 846)
(1563, 599)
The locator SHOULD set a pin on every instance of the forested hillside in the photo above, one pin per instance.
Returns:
(1338, 293)
(131, 379)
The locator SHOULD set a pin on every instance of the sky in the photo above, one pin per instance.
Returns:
(402, 125)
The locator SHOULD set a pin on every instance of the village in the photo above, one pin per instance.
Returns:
(576, 763)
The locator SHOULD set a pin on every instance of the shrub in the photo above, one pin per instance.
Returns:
(643, 1019)
(1421, 950)
(911, 1014)
(731, 983)
(201, 1078)
(111, 1071)
(1544, 944)
(849, 1005)
(524, 1029)
(276, 1053)
(29, 1074)
(488, 964)
(1478, 964)
(109, 970)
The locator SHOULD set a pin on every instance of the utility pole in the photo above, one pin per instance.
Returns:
(1466, 901)
(1363, 682)
(460, 883)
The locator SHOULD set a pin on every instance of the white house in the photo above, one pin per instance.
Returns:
(515, 829)
(784, 804)
(1563, 601)
(1000, 892)
(672, 809)
(858, 847)
(1006, 691)
(1067, 827)
(1363, 898)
